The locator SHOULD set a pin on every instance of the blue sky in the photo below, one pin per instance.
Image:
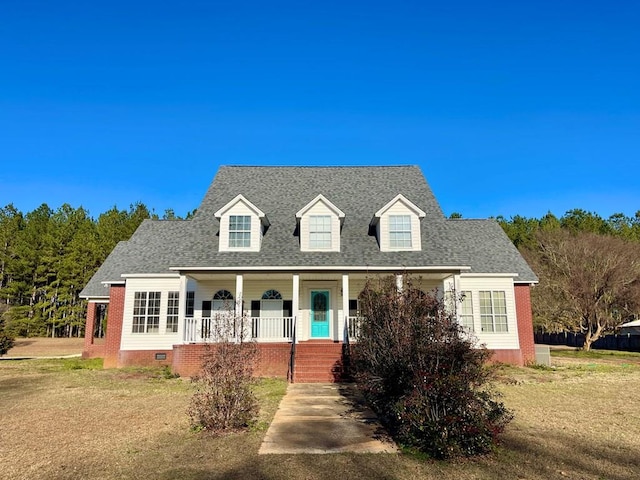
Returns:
(508, 107)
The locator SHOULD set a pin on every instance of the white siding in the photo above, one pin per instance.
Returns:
(320, 208)
(241, 208)
(149, 341)
(493, 340)
(399, 208)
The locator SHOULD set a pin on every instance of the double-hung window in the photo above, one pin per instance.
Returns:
(466, 311)
(172, 312)
(146, 312)
(239, 231)
(400, 231)
(493, 311)
(320, 232)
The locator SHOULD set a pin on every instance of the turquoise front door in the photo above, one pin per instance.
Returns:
(320, 313)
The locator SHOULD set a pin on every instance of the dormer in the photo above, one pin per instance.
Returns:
(319, 224)
(242, 226)
(397, 226)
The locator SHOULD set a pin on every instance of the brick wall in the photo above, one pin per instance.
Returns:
(114, 326)
(513, 357)
(273, 360)
(90, 349)
(525, 323)
(144, 358)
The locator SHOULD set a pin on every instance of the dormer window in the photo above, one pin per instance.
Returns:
(397, 225)
(319, 225)
(320, 232)
(239, 231)
(242, 226)
(399, 231)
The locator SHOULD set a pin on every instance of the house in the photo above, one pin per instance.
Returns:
(281, 254)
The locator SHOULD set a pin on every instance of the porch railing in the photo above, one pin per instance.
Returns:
(231, 328)
(353, 328)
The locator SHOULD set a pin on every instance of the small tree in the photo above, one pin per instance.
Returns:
(589, 283)
(423, 374)
(224, 400)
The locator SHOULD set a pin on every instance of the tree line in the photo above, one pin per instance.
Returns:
(589, 270)
(47, 256)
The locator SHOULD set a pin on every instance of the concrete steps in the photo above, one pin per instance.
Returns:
(319, 362)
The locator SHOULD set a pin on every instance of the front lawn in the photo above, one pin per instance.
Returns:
(68, 419)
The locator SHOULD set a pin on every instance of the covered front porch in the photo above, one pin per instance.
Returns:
(281, 307)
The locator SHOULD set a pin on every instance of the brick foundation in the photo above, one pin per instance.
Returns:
(525, 323)
(144, 358)
(513, 357)
(273, 359)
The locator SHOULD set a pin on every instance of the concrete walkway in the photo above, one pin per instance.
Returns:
(325, 418)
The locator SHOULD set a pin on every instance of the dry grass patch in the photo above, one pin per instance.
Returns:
(46, 347)
(69, 419)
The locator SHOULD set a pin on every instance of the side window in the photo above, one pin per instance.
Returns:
(493, 311)
(466, 310)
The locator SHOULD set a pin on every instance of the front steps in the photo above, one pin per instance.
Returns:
(317, 362)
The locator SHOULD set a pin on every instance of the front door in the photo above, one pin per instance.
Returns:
(319, 313)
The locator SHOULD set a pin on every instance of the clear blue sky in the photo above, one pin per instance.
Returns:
(509, 107)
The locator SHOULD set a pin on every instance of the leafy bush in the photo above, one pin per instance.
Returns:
(423, 374)
(224, 400)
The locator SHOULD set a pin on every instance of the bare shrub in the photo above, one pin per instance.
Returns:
(224, 400)
(423, 374)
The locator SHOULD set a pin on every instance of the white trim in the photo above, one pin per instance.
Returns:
(113, 282)
(300, 268)
(95, 299)
(241, 198)
(328, 203)
(488, 275)
(150, 275)
(398, 198)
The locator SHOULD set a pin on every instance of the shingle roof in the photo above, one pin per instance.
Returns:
(280, 192)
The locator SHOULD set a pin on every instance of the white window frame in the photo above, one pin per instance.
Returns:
(403, 228)
(146, 312)
(173, 311)
(465, 312)
(320, 232)
(240, 236)
(493, 311)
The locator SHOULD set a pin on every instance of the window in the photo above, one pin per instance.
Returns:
(466, 311)
(172, 312)
(223, 300)
(189, 306)
(400, 231)
(319, 232)
(239, 231)
(493, 311)
(146, 312)
(271, 304)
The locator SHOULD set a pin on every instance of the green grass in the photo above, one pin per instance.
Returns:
(596, 354)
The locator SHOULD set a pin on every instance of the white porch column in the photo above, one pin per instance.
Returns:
(345, 304)
(295, 303)
(182, 306)
(399, 285)
(239, 303)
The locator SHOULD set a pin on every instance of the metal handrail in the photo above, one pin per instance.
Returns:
(292, 355)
